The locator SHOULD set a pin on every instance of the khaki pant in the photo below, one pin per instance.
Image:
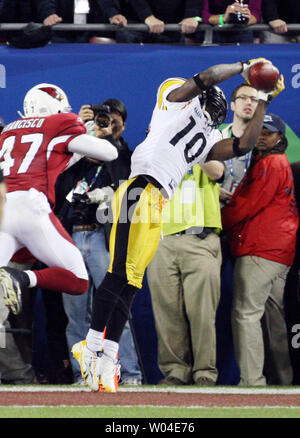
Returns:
(256, 281)
(184, 281)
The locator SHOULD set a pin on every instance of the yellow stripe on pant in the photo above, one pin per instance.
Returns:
(136, 229)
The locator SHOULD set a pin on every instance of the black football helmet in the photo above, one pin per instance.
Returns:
(214, 105)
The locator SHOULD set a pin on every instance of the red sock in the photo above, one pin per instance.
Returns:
(62, 280)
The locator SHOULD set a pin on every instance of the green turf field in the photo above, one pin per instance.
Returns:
(145, 412)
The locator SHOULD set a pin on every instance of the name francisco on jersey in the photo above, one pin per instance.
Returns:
(24, 123)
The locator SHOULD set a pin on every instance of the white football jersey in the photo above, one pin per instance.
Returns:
(179, 137)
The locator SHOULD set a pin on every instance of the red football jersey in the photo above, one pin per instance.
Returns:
(34, 151)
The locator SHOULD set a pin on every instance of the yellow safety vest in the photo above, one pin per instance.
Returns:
(195, 203)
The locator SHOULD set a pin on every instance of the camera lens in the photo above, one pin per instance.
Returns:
(103, 122)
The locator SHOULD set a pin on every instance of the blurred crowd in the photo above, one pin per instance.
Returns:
(239, 14)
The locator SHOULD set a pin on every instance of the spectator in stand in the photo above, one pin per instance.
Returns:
(155, 14)
(278, 14)
(71, 11)
(261, 221)
(220, 12)
(22, 11)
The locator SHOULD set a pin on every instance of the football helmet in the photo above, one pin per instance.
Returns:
(214, 105)
(45, 100)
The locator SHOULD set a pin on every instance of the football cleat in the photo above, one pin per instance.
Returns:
(89, 363)
(11, 291)
(110, 373)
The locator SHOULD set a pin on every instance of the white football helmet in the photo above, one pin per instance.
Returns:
(45, 100)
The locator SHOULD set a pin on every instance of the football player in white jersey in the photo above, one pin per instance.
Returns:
(182, 132)
(34, 150)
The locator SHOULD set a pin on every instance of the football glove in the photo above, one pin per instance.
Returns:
(97, 196)
(248, 64)
(267, 96)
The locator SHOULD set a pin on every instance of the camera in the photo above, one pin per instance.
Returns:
(102, 115)
(80, 205)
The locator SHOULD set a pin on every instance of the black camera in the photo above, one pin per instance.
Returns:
(102, 115)
(80, 205)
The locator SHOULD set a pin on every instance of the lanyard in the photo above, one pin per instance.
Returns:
(247, 158)
(94, 179)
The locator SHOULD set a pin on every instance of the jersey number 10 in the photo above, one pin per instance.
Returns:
(190, 155)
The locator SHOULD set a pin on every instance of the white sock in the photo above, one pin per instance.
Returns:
(110, 348)
(94, 340)
(32, 278)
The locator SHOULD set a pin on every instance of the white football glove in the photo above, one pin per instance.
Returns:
(267, 96)
(101, 195)
(248, 64)
(90, 127)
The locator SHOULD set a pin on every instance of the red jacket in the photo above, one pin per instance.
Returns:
(261, 218)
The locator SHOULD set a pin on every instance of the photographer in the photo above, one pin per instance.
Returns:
(85, 212)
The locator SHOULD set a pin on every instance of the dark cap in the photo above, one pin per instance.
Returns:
(274, 123)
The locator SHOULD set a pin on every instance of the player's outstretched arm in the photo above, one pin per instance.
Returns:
(97, 148)
(212, 76)
(235, 147)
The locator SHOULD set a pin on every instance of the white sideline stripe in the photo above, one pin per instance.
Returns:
(148, 406)
(187, 390)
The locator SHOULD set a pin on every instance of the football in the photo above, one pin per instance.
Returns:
(263, 76)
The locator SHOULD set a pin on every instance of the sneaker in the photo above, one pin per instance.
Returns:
(11, 290)
(110, 373)
(171, 381)
(205, 381)
(80, 382)
(131, 381)
(89, 364)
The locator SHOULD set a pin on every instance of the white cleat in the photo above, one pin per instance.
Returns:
(89, 363)
(110, 373)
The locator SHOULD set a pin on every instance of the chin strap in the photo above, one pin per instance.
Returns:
(20, 114)
(207, 115)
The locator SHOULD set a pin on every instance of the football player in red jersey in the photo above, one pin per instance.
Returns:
(34, 150)
(2, 195)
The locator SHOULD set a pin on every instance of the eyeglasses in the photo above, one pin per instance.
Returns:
(244, 98)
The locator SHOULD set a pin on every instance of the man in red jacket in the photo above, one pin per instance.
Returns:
(261, 221)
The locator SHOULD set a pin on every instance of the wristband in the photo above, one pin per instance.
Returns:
(199, 82)
(221, 19)
(199, 19)
(236, 149)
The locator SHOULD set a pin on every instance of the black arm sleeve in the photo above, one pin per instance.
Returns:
(269, 10)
